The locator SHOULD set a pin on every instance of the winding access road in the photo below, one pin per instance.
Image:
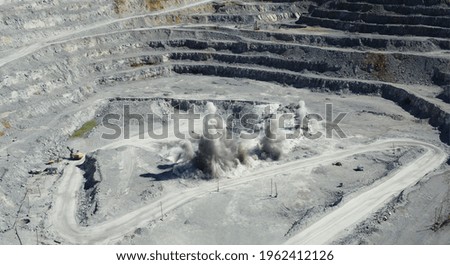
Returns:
(353, 210)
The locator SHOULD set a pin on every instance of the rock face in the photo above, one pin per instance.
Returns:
(58, 54)
(417, 18)
(401, 18)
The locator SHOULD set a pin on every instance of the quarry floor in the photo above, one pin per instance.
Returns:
(243, 212)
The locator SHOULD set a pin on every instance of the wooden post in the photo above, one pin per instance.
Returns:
(17, 234)
(162, 215)
(276, 190)
(218, 184)
(29, 206)
(271, 187)
(20, 208)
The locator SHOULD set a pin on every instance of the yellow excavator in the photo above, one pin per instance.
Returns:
(75, 155)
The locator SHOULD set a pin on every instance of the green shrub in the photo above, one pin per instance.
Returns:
(86, 128)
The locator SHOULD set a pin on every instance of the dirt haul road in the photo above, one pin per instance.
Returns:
(353, 210)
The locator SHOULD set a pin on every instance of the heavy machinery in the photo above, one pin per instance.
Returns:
(75, 155)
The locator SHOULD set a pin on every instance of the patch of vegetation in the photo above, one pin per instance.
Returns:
(6, 124)
(86, 128)
(177, 19)
(119, 6)
(153, 5)
(141, 63)
(2, 133)
(135, 64)
(378, 62)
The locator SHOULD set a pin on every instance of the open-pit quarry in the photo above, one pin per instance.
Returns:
(333, 120)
